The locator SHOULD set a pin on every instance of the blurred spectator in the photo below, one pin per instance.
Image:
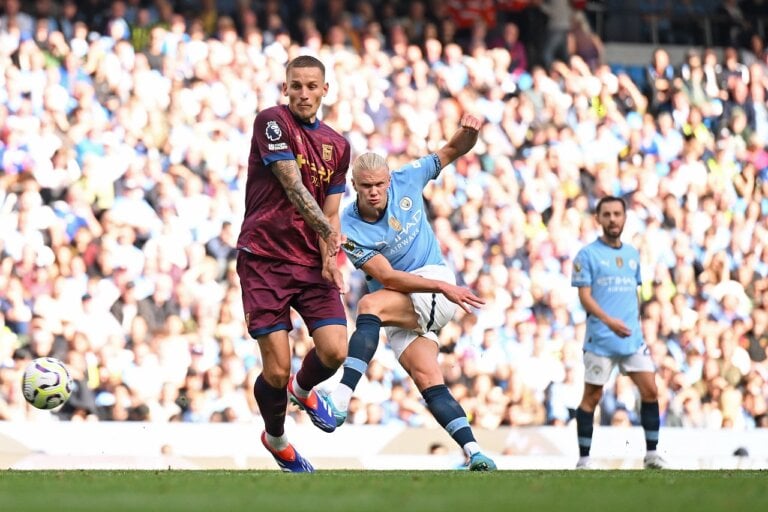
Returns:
(159, 305)
(583, 42)
(732, 25)
(659, 76)
(13, 16)
(510, 41)
(222, 247)
(559, 15)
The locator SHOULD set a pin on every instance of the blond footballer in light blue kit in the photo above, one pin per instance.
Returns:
(405, 238)
(607, 275)
(403, 234)
(412, 293)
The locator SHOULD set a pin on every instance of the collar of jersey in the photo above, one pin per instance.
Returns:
(312, 126)
(610, 246)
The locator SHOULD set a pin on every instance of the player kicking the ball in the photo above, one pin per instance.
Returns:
(412, 291)
(287, 253)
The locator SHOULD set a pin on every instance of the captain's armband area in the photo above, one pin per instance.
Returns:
(365, 259)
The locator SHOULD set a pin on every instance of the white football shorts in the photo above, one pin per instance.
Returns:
(433, 309)
(597, 369)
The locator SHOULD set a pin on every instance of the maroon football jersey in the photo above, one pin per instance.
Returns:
(273, 227)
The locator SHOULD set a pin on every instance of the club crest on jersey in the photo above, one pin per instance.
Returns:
(619, 261)
(348, 245)
(273, 131)
(395, 224)
(327, 152)
(406, 203)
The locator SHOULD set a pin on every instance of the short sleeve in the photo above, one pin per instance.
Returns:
(271, 136)
(339, 177)
(582, 272)
(420, 172)
(358, 254)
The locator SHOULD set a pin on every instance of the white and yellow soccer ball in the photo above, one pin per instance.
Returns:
(47, 383)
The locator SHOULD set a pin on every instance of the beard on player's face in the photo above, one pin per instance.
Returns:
(305, 109)
(613, 230)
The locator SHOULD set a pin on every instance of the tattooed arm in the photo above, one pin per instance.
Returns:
(287, 173)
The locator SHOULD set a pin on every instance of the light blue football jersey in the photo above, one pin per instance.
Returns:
(613, 275)
(403, 234)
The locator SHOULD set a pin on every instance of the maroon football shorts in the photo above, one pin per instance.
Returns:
(271, 287)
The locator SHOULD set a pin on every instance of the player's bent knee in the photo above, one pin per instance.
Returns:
(427, 381)
(277, 377)
(590, 399)
(332, 356)
(368, 305)
(426, 377)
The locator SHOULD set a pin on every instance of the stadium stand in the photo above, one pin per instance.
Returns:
(124, 132)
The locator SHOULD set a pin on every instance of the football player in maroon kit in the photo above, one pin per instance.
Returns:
(288, 244)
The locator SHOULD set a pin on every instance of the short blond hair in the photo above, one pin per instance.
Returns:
(368, 162)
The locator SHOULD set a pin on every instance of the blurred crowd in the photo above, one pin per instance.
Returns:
(124, 136)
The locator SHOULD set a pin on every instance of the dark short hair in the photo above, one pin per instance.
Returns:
(305, 61)
(610, 199)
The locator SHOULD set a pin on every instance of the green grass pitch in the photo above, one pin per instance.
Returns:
(390, 491)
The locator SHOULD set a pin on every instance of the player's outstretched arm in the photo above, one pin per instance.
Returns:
(289, 177)
(462, 141)
(380, 269)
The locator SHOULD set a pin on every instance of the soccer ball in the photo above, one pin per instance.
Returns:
(47, 383)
